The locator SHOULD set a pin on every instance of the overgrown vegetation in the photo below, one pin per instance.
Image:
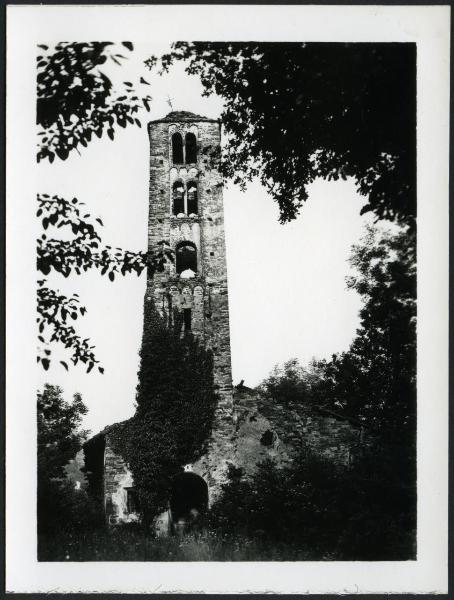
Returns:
(375, 380)
(323, 511)
(337, 510)
(175, 409)
(61, 510)
(133, 543)
(310, 509)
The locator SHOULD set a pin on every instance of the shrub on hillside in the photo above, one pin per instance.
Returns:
(327, 511)
(64, 508)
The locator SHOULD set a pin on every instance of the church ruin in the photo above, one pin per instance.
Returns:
(186, 210)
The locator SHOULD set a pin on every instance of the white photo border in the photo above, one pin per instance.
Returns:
(429, 27)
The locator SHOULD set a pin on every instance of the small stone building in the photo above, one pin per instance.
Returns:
(186, 210)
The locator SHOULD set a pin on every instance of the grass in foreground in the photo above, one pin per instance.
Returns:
(135, 544)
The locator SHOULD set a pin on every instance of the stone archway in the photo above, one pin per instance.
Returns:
(188, 500)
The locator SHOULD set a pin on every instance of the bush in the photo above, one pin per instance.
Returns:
(60, 508)
(321, 510)
(62, 513)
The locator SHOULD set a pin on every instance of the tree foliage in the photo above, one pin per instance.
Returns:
(320, 510)
(59, 437)
(297, 111)
(77, 102)
(292, 384)
(332, 509)
(375, 380)
(60, 507)
(76, 99)
(176, 401)
(80, 251)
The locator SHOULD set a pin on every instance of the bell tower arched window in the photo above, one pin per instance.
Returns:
(191, 148)
(178, 197)
(177, 149)
(192, 198)
(186, 259)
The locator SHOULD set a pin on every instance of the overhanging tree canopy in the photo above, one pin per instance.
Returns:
(295, 111)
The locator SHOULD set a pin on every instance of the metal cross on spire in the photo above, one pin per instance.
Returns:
(169, 102)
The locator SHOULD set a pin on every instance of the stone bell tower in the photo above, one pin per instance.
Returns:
(186, 210)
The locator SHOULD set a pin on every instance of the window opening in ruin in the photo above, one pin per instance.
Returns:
(186, 259)
(178, 198)
(187, 317)
(267, 438)
(191, 148)
(132, 500)
(177, 149)
(188, 498)
(192, 198)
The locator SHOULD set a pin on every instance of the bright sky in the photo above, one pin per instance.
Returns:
(287, 291)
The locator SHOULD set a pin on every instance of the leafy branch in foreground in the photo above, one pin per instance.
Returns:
(54, 309)
(76, 100)
(82, 252)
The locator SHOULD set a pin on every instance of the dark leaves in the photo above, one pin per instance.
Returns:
(58, 435)
(375, 380)
(294, 112)
(75, 99)
(83, 252)
(175, 409)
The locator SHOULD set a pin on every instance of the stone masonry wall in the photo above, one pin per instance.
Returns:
(117, 478)
(206, 294)
(266, 429)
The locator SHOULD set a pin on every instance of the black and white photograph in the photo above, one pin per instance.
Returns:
(227, 267)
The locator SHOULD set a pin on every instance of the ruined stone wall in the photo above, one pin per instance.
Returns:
(266, 429)
(117, 478)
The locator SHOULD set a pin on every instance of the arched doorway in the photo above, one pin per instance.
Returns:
(188, 499)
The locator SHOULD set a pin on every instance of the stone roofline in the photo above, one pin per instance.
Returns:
(107, 429)
(183, 115)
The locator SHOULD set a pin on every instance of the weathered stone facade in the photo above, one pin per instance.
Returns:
(204, 294)
(267, 429)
